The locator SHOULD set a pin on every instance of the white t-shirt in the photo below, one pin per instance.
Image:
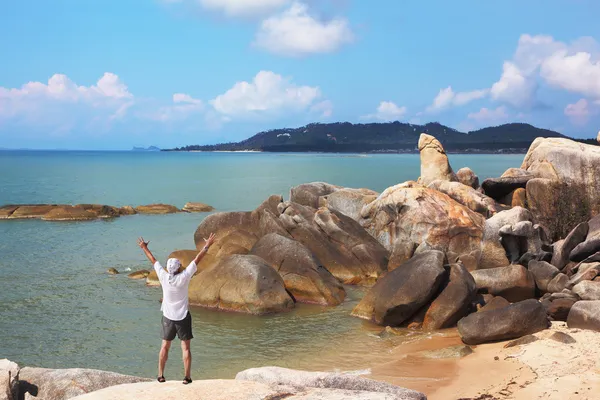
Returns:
(175, 304)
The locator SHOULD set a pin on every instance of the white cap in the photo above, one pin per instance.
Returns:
(173, 265)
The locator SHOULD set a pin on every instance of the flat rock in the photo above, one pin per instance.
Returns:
(402, 292)
(157, 209)
(31, 211)
(101, 210)
(6, 211)
(241, 283)
(324, 380)
(434, 161)
(585, 314)
(62, 384)
(197, 207)
(587, 290)
(127, 210)
(303, 275)
(69, 213)
(459, 351)
(514, 282)
(516, 320)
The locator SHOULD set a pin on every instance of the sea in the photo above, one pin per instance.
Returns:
(60, 309)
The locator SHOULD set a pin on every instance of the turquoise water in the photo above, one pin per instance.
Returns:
(60, 309)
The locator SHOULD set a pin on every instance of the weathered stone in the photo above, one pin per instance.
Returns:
(410, 213)
(514, 172)
(585, 315)
(339, 242)
(467, 196)
(495, 303)
(513, 321)
(6, 211)
(348, 201)
(519, 198)
(308, 194)
(31, 211)
(453, 302)
(593, 228)
(434, 161)
(514, 283)
(197, 207)
(9, 380)
(587, 290)
(402, 292)
(563, 248)
(521, 341)
(562, 337)
(586, 272)
(242, 283)
(558, 309)
(157, 209)
(584, 250)
(402, 253)
(112, 271)
(100, 210)
(497, 188)
(303, 275)
(141, 274)
(543, 273)
(63, 384)
(324, 380)
(558, 283)
(69, 213)
(467, 177)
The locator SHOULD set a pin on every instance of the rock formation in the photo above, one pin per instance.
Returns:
(434, 161)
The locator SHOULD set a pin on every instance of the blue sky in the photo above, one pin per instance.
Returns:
(113, 74)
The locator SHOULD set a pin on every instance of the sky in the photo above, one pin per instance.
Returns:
(112, 74)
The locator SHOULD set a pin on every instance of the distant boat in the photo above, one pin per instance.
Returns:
(151, 148)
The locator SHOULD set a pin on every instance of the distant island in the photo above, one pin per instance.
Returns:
(151, 148)
(392, 137)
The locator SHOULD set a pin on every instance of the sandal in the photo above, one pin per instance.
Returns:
(161, 379)
(187, 380)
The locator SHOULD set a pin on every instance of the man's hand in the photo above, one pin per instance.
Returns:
(142, 243)
(209, 242)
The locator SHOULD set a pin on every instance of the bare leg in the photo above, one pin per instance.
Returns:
(163, 356)
(187, 357)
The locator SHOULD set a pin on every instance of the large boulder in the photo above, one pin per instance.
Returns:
(69, 213)
(409, 215)
(325, 380)
(585, 315)
(498, 188)
(587, 290)
(467, 177)
(563, 248)
(303, 275)
(308, 194)
(339, 242)
(584, 250)
(402, 292)
(63, 384)
(585, 272)
(157, 209)
(242, 283)
(348, 201)
(543, 273)
(514, 282)
(576, 168)
(467, 196)
(434, 161)
(453, 302)
(9, 380)
(516, 320)
(558, 309)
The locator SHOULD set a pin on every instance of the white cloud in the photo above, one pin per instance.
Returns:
(324, 108)
(268, 93)
(61, 104)
(295, 32)
(487, 116)
(387, 111)
(183, 107)
(514, 87)
(447, 98)
(235, 8)
(576, 73)
(579, 113)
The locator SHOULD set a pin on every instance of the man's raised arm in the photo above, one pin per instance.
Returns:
(144, 246)
(207, 243)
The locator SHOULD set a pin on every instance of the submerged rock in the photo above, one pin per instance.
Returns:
(112, 271)
(31, 211)
(516, 320)
(197, 207)
(157, 209)
(402, 292)
(69, 213)
(141, 274)
(303, 275)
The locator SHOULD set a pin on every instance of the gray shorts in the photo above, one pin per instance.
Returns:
(183, 328)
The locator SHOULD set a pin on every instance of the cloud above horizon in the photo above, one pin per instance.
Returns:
(387, 111)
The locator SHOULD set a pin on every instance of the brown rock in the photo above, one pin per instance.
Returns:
(558, 283)
(409, 213)
(562, 338)
(514, 283)
(303, 275)
(241, 283)
(586, 272)
(197, 207)
(101, 211)
(112, 271)
(559, 309)
(543, 273)
(521, 341)
(519, 198)
(31, 211)
(6, 211)
(587, 290)
(308, 194)
(563, 248)
(157, 209)
(348, 201)
(467, 196)
(514, 172)
(498, 188)
(494, 304)
(69, 213)
(141, 274)
(585, 315)
(127, 210)
(467, 177)
(434, 161)
(185, 257)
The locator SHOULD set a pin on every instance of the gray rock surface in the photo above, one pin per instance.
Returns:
(563, 248)
(9, 380)
(585, 315)
(558, 283)
(514, 282)
(543, 273)
(587, 290)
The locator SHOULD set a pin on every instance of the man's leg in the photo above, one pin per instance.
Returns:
(187, 357)
(163, 356)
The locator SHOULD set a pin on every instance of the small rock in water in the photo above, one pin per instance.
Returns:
(112, 271)
(197, 207)
(139, 274)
